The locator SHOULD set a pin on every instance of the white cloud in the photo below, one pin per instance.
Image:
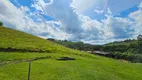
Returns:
(53, 31)
(99, 11)
(73, 25)
(103, 9)
(93, 29)
(40, 4)
(65, 14)
(24, 8)
(120, 27)
(108, 29)
(137, 17)
(83, 28)
(82, 5)
(140, 6)
(10, 14)
(100, 6)
(17, 18)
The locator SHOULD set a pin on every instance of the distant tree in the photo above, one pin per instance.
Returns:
(65, 40)
(139, 38)
(51, 39)
(1, 23)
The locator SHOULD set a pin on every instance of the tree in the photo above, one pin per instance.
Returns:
(51, 39)
(1, 23)
(139, 38)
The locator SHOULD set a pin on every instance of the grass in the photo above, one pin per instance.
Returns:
(19, 40)
(84, 67)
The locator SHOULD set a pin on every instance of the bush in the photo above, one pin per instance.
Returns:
(135, 58)
(140, 46)
(114, 48)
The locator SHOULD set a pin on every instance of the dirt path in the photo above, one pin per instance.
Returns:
(2, 63)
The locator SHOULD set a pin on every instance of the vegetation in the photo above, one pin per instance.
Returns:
(126, 42)
(1, 23)
(23, 47)
(73, 45)
(130, 50)
(12, 40)
(139, 38)
(82, 68)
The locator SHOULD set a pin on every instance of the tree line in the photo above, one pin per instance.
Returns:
(130, 49)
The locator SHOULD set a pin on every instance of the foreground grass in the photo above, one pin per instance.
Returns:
(83, 68)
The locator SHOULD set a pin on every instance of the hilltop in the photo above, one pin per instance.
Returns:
(17, 48)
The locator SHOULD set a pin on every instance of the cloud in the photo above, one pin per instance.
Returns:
(77, 25)
(102, 10)
(140, 6)
(83, 28)
(92, 29)
(120, 27)
(65, 14)
(99, 11)
(18, 18)
(69, 23)
(78, 4)
(9, 14)
(40, 4)
(137, 18)
(101, 6)
(109, 28)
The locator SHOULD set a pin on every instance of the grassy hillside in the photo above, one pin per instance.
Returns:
(45, 66)
(16, 40)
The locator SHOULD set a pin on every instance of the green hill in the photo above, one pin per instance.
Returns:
(16, 40)
(126, 42)
(17, 48)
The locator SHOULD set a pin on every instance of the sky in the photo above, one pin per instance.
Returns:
(90, 21)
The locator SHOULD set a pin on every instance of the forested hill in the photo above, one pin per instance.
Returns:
(88, 47)
(128, 49)
(74, 45)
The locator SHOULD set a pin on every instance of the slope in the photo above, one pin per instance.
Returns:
(16, 40)
(23, 47)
